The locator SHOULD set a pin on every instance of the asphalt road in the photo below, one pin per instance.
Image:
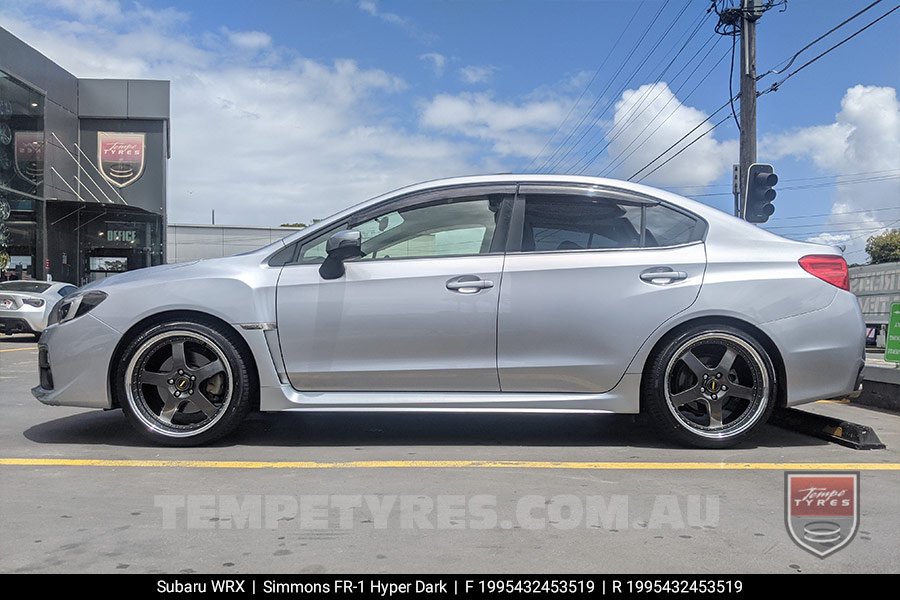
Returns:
(79, 491)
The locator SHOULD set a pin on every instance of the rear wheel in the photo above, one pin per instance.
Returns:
(710, 387)
(184, 383)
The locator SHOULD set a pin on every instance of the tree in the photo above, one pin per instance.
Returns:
(300, 225)
(884, 248)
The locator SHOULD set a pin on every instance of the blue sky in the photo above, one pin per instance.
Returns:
(287, 110)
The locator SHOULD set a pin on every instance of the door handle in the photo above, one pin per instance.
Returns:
(468, 284)
(662, 275)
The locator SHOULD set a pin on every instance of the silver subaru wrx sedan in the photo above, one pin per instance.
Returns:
(508, 293)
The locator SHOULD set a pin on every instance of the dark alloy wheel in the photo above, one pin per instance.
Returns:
(710, 387)
(184, 383)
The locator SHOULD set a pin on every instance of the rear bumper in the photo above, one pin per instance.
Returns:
(74, 361)
(823, 351)
(22, 321)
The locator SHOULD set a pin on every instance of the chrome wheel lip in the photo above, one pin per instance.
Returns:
(141, 411)
(725, 432)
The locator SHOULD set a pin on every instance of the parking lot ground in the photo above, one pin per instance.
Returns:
(81, 492)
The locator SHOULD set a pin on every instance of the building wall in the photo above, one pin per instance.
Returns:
(196, 242)
(60, 90)
(876, 287)
(78, 219)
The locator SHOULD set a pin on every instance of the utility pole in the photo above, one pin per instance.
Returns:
(749, 15)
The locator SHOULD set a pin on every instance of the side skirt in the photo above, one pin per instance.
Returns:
(623, 399)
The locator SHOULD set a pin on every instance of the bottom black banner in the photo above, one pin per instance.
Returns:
(445, 586)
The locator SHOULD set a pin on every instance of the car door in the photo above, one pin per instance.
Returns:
(590, 274)
(416, 313)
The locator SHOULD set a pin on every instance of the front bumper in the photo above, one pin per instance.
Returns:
(75, 359)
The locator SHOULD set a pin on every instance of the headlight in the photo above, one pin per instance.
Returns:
(75, 305)
(36, 302)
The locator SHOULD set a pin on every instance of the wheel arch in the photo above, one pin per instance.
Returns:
(181, 315)
(711, 320)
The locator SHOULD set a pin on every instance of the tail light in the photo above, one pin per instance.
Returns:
(36, 302)
(829, 268)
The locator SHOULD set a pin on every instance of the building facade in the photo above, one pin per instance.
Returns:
(82, 170)
(196, 242)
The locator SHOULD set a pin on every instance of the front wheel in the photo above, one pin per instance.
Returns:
(184, 383)
(710, 386)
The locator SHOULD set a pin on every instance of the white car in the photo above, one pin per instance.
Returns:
(25, 305)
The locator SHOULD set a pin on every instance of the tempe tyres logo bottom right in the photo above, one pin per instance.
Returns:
(821, 510)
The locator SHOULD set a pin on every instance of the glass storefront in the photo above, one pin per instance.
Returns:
(74, 242)
(94, 241)
(21, 180)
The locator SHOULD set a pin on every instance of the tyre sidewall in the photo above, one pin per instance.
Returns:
(653, 395)
(241, 384)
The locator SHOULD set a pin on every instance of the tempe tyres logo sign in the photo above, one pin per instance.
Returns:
(120, 156)
(821, 510)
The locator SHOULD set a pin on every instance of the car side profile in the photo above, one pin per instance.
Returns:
(25, 305)
(506, 293)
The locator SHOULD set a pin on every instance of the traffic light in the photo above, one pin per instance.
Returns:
(761, 181)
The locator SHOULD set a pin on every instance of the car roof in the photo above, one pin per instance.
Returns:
(715, 217)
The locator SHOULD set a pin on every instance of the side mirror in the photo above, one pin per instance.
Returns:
(341, 246)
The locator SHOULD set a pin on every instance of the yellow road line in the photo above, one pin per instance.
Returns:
(19, 349)
(448, 464)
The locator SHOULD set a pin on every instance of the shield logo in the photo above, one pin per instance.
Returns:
(821, 510)
(120, 156)
(29, 147)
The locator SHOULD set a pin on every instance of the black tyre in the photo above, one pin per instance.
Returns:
(709, 386)
(184, 383)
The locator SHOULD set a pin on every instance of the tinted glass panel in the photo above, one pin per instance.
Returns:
(35, 287)
(450, 228)
(564, 222)
(668, 227)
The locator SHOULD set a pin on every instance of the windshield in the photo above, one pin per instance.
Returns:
(35, 287)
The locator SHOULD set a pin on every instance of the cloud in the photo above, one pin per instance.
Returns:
(864, 138)
(260, 140)
(512, 129)
(370, 7)
(107, 10)
(249, 40)
(646, 122)
(438, 62)
(477, 73)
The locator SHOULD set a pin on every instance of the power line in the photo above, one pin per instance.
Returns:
(634, 113)
(619, 159)
(694, 141)
(849, 212)
(812, 185)
(731, 82)
(775, 86)
(600, 96)
(587, 87)
(681, 139)
(687, 187)
(854, 221)
(793, 58)
(888, 226)
(612, 100)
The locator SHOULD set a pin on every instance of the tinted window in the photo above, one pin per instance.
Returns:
(565, 222)
(463, 226)
(35, 287)
(450, 227)
(313, 250)
(575, 222)
(65, 291)
(668, 227)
